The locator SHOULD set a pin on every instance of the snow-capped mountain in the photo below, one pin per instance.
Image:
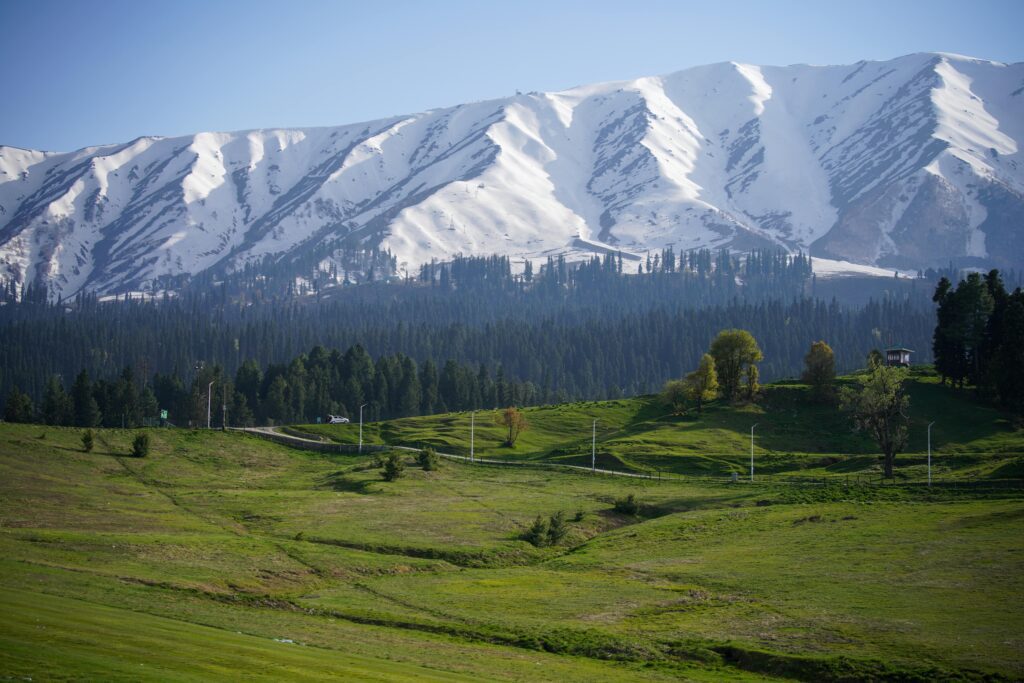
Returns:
(908, 163)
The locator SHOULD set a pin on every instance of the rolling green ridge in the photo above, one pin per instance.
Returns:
(793, 436)
(221, 555)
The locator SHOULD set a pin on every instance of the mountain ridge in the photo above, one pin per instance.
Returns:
(906, 163)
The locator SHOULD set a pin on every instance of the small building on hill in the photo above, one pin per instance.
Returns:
(897, 357)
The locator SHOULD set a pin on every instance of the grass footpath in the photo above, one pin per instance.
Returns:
(223, 556)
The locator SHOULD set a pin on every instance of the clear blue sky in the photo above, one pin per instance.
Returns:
(85, 72)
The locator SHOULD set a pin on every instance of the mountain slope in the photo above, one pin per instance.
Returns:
(908, 163)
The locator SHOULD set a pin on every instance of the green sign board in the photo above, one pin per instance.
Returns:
(163, 414)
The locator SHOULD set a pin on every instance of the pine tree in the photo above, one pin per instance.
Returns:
(18, 407)
(140, 446)
(128, 399)
(87, 440)
(557, 528)
(86, 409)
(1009, 359)
(56, 407)
(428, 459)
(393, 467)
(428, 387)
(149, 408)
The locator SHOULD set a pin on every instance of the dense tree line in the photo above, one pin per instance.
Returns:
(308, 388)
(571, 331)
(979, 337)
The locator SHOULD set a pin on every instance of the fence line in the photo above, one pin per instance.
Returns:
(296, 441)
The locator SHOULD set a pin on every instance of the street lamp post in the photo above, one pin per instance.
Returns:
(361, 428)
(930, 453)
(472, 433)
(752, 451)
(209, 398)
(593, 447)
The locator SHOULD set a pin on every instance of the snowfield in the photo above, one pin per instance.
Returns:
(876, 166)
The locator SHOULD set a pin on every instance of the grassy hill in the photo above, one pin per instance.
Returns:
(794, 436)
(222, 555)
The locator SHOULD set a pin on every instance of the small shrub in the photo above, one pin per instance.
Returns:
(428, 459)
(393, 467)
(627, 505)
(580, 514)
(87, 440)
(537, 534)
(140, 447)
(557, 528)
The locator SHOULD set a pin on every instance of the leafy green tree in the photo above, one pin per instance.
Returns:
(56, 408)
(702, 384)
(675, 395)
(753, 386)
(428, 459)
(87, 440)
(393, 467)
(875, 359)
(820, 371)
(140, 446)
(514, 423)
(18, 407)
(734, 352)
(87, 410)
(879, 407)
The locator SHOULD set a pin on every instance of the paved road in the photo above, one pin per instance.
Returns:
(300, 442)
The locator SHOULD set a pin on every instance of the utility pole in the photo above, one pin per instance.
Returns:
(224, 419)
(472, 434)
(361, 428)
(752, 451)
(593, 447)
(209, 402)
(930, 453)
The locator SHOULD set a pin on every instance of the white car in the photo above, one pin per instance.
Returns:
(336, 420)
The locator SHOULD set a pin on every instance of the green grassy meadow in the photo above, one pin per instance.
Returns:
(222, 555)
(793, 436)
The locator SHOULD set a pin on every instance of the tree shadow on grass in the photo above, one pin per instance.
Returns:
(339, 481)
(94, 451)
